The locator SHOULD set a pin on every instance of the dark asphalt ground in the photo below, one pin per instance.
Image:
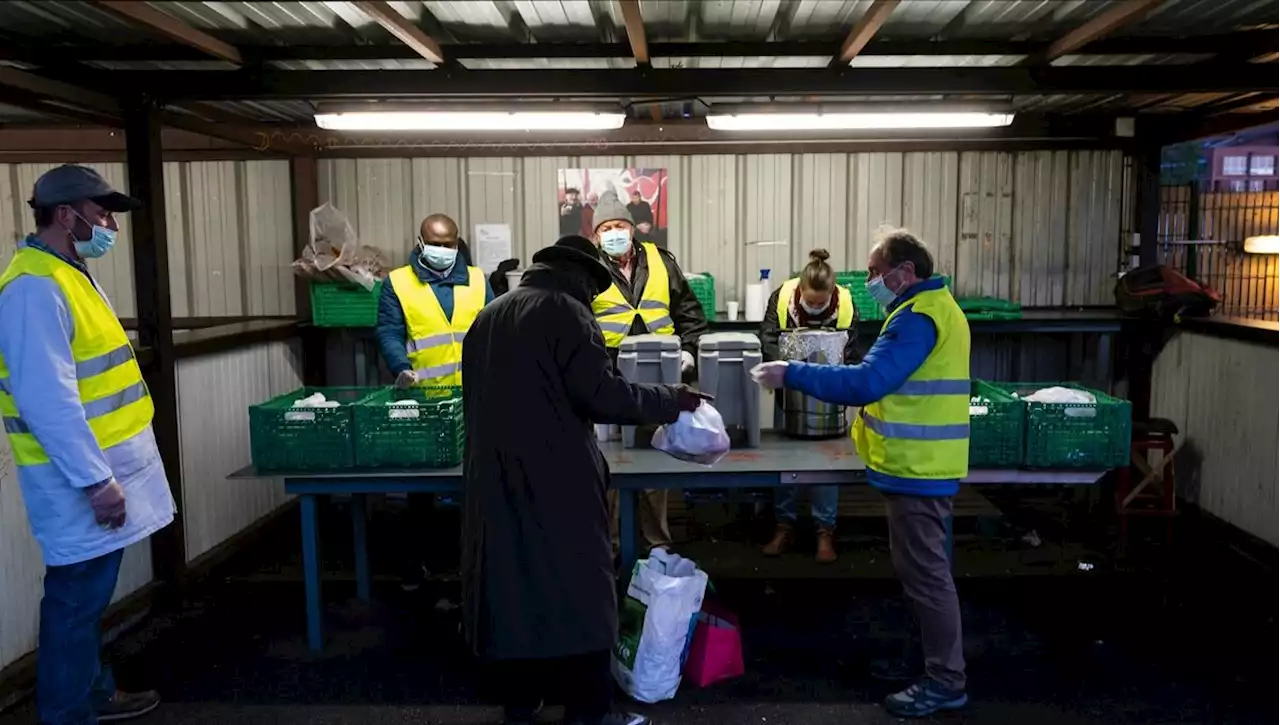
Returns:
(1182, 635)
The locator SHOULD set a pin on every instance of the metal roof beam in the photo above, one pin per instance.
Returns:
(1124, 13)
(179, 86)
(865, 29)
(635, 30)
(403, 29)
(143, 14)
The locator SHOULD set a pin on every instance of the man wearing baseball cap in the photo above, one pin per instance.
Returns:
(78, 418)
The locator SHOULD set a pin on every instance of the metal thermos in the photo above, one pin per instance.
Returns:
(805, 416)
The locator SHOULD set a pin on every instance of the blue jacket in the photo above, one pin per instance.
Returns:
(900, 350)
(392, 330)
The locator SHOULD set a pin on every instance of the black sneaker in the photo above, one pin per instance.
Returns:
(128, 705)
(618, 718)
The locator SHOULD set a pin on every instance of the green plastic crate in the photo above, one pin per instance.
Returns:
(285, 438)
(1075, 435)
(988, 304)
(997, 427)
(335, 304)
(429, 434)
(703, 286)
(993, 315)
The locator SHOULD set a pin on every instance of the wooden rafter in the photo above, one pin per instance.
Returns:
(635, 30)
(403, 28)
(1124, 13)
(141, 13)
(865, 29)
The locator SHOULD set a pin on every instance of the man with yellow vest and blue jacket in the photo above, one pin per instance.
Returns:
(77, 415)
(424, 313)
(649, 295)
(913, 435)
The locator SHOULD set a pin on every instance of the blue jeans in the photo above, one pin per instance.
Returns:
(822, 503)
(70, 678)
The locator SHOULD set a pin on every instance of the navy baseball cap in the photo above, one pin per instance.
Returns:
(69, 184)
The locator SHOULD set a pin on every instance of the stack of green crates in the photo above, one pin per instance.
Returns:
(704, 288)
(287, 438)
(337, 304)
(989, 308)
(997, 423)
(429, 434)
(1074, 435)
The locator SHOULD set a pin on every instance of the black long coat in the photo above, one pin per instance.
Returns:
(537, 563)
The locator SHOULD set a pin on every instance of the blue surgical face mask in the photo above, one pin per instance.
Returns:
(440, 259)
(880, 291)
(101, 240)
(615, 242)
(815, 311)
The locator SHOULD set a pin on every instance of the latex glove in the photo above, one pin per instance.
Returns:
(107, 500)
(406, 379)
(689, 399)
(771, 375)
(686, 361)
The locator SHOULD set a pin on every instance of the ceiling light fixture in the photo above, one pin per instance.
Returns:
(854, 121)
(470, 121)
(1263, 244)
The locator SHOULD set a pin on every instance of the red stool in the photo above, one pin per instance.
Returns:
(1154, 494)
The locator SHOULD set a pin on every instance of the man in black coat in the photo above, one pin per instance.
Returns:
(537, 564)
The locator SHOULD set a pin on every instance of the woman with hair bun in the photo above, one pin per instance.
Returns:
(812, 299)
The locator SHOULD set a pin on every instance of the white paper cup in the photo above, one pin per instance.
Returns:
(733, 311)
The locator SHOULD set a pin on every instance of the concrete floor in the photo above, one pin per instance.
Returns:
(1146, 642)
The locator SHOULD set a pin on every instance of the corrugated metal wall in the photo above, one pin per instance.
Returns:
(1039, 227)
(1222, 395)
(230, 227)
(214, 392)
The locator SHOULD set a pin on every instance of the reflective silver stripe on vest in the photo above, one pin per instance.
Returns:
(102, 363)
(615, 310)
(660, 323)
(914, 431)
(15, 425)
(437, 371)
(652, 305)
(621, 328)
(115, 401)
(430, 341)
(934, 387)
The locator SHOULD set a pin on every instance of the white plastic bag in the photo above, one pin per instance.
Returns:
(698, 437)
(658, 617)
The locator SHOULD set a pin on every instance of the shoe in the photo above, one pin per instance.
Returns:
(925, 698)
(521, 715)
(128, 705)
(616, 718)
(826, 547)
(780, 543)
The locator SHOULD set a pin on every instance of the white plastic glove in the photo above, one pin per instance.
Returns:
(686, 361)
(406, 379)
(770, 375)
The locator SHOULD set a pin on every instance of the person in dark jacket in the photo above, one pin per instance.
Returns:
(648, 294)
(538, 580)
(435, 268)
(811, 300)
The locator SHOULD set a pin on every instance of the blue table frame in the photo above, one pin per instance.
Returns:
(776, 462)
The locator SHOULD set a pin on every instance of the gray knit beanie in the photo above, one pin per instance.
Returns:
(608, 209)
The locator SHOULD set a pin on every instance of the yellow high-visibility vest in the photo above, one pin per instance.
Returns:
(844, 315)
(115, 399)
(921, 430)
(435, 341)
(616, 315)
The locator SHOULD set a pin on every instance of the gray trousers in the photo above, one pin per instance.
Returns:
(918, 529)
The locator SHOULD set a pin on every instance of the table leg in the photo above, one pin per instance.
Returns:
(360, 531)
(311, 568)
(627, 528)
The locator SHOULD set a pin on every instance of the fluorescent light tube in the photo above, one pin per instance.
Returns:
(855, 121)
(470, 121)
(1265, 244)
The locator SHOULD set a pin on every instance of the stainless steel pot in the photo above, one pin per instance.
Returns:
(804, 416)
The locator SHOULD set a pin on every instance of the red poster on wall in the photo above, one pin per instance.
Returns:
(642, 191)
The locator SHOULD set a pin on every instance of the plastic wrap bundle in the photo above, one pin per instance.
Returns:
(817, 346)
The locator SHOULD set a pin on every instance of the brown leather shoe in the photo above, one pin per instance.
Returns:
(826, 547)
(780, 543)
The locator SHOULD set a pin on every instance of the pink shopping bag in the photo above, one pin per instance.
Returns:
(715, 651)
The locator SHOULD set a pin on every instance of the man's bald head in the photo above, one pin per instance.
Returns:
(439, 230)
